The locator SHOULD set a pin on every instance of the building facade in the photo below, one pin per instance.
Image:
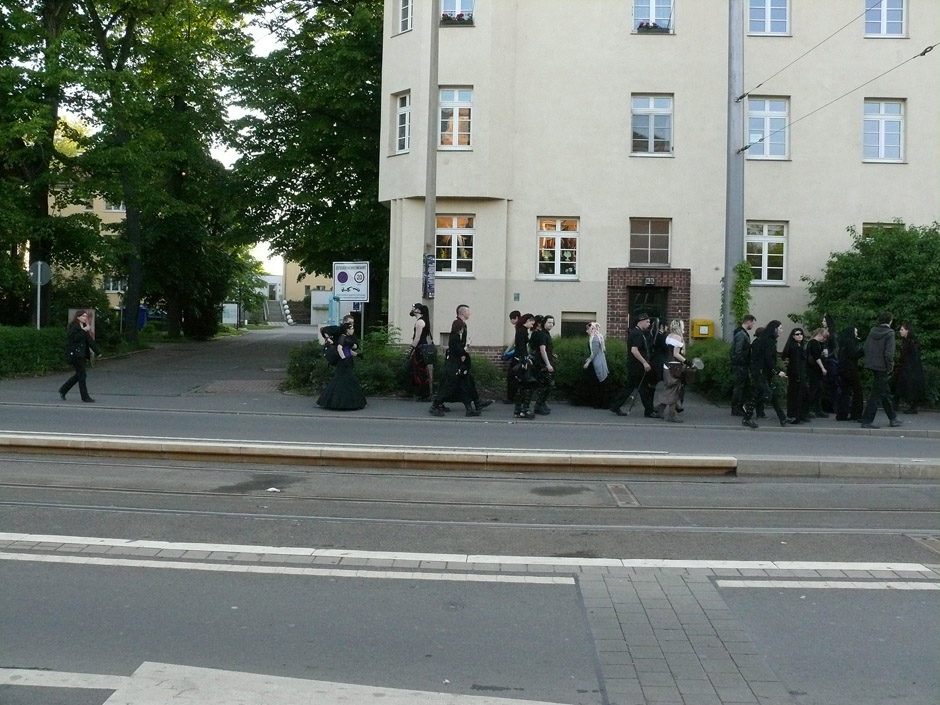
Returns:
(581, 150)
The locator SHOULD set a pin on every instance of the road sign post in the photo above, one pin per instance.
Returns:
(39, 274)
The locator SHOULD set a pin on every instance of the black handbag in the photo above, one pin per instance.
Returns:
(427, 353)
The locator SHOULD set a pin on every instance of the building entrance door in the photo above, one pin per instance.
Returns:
(650, 300)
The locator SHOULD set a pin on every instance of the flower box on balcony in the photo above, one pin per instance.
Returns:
(649, 28)
(461, 18)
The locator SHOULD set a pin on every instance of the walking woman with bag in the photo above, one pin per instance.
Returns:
(421, 356)
(78, 349)
(521, 368)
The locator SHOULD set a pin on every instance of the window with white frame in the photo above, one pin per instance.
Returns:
(456, 106)
(651, 123)
(767, 128)
(114, 207)
(454, 244)
(402, 123)
(649, 241)
(115, 285)
(883, 128)
(652, 15)
(769, 17)
(558, 248)
(405, 11)
(457, 9)
(765, 248)
(884, 18)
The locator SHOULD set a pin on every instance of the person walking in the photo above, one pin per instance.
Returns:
(638, 368)
(541, 349)
(763, 373)
(816, 372)
(673, 367)
(344, 393)
(421, 372)
(79, 346)
(879, 358)
(508, 355)
(794, 357)
(740, 364)
(849, 403)
(911, 381)
(595, 389)
(458, 380)
(522, 369)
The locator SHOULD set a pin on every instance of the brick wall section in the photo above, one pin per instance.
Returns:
(677, 281)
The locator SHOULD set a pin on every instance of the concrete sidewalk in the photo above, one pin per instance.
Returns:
(229, 379)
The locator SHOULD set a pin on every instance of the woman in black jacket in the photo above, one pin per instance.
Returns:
(911, 380)
(794, 355)
(763, 372)
(850, 403)
(522, 368)
(77, 351)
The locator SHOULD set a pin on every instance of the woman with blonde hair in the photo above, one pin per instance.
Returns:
(595, 383)
(669, 398)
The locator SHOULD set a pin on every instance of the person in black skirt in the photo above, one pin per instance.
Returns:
(343, 393)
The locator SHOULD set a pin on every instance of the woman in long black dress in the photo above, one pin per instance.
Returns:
(343, 393)
(421, 373)
(912, 381)
(794, 355)
(850, 403)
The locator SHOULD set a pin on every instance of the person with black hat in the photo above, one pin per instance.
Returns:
(638, 369)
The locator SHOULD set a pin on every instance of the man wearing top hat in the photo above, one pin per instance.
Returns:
(639, 370)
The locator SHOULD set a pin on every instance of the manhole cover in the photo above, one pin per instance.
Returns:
(928, 542)
(240, 385)
(622, 496)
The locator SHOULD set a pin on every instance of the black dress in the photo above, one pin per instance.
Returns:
(343, 393)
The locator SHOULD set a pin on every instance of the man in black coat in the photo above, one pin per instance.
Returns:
(879, 358)
(639, 370)
(740, 364)
(763, 371)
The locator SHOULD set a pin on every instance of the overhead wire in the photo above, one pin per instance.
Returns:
(808, 51)
(826, 105)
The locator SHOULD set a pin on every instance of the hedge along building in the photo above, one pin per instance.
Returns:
(581, 153)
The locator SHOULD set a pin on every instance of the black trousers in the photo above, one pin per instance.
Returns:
(740, 380)
(78, 363)
(880, 393)
(763, 392)
(637, 379)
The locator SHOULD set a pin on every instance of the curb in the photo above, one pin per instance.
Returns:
(492, 460)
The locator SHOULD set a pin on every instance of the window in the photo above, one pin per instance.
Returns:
(113, 207)
(456, 104)
(871, 228)
(767, 129)
(405, 11)
(403, 123)
(649, 241)
(769, 17)
(765, 250)
(884, 18)
(558, 248)
(652, 15)
(454, 244)
(883, 131)
(457, 10)
(115, 285)
(651, 120)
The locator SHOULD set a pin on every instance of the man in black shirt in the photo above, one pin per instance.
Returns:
(458, 382)
(639, 370)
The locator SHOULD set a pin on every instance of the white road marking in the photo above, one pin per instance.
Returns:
(458, 558)
(289, 570)
(169, 684)
(830, 584)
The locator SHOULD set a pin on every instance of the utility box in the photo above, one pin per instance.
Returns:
(702, 328)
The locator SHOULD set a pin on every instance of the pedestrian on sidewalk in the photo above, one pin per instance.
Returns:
(594, 389)
(740, 364)
(816, 372)
(420, 369)
(344, 393)
(794, 357)
(911, 382)
(542, 350)
(78, 349)
(638, 370)
(850, 402)
(764, 372)
(508, 355)
(458, 381)
(522, 368)
(879, 358)
(670, 398)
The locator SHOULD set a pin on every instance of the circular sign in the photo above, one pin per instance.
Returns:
(342, 277)
(359, 277)
(39, 273)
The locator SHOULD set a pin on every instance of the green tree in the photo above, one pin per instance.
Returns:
(310, 143)
(894, 268)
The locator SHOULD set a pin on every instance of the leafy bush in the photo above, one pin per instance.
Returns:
(75, 291)
(713, 381)
(570, 354)
(25, 351)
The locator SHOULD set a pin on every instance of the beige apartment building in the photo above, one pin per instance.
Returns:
(581, 150)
